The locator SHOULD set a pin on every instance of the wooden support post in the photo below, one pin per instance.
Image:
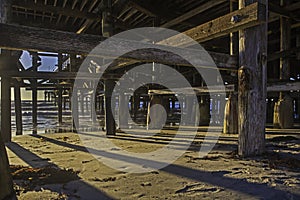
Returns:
(252, 85)
(109, 107)
(6, 189)
(74, 96)
(5, 109)
(231, 108)
(93, 109)
(60, 98)
(155, 114)
(136, 106)
(101, 106)
(9, 60)
(75, 112)
(87, 103)
(189, 109)
(18, 109)
(231, 115)
(6, 183)
(283, 109)
(204, 111)
(35, 63)
(82, 102)
(298, 43)
(123, 112)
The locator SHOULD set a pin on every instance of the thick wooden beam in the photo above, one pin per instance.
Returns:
(46, 40)
(56, 10)
(246, 17)
(252, 84)
(196, 11)
(36, 39)
(56, 75)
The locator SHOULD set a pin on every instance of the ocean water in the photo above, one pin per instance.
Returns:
(47, 120)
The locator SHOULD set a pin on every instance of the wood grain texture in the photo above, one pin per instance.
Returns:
(252, 86)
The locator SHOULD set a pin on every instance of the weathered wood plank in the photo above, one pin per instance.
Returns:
(192, 13)
(55, 10)
(252, 85)
(36, 39)
(244, 18)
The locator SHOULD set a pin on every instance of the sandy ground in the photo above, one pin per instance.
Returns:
(58, 166)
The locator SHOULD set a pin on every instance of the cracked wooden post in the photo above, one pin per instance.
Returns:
(283, 109)
(252, 84)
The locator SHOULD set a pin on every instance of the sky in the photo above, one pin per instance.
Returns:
(48, 64)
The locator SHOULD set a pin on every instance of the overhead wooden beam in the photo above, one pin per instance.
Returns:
(284, 54)
(89, 22)
(279, 10)
(56, 10)
(36, 39)
(193, 90)
(283, 86)
(293, 6)
(149, 9)
(145, 7)
(192, 13)
(241, 19)
(47, 40)
(56, 75)
(42, 24)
